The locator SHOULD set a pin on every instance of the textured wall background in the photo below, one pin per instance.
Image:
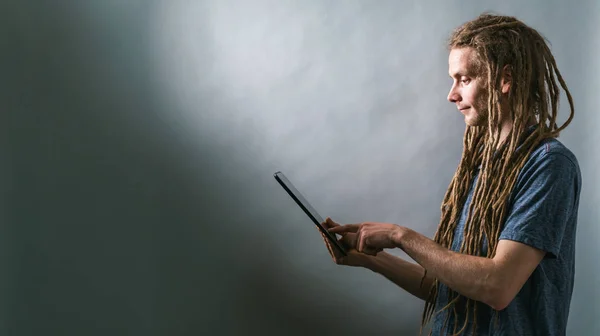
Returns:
(140, 137)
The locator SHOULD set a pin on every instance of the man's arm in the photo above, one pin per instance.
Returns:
(494, 282)
(546, 195)
(545, 200)
(406, 275)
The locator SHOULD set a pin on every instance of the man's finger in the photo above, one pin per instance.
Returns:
(371, 251)
(326, 241)
(330, 223)
(335, 255)
(345, 228)
(360, 242)
(328, 246)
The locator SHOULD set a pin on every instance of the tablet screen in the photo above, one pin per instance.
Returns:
(308, 209)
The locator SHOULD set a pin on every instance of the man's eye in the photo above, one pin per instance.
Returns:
(465, 81)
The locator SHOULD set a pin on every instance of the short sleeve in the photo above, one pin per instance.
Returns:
(544, 199)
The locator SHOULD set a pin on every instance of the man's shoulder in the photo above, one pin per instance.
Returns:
(551, 163)
(552, 154)
(551, 148)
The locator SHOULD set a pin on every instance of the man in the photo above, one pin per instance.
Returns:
(502, 259)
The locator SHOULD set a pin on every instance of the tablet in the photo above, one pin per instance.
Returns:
(308, 209)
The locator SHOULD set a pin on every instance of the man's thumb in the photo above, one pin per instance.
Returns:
(331, 223)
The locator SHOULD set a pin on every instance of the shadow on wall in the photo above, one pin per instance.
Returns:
(117, 222)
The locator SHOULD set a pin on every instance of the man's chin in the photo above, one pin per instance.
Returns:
(474, 122)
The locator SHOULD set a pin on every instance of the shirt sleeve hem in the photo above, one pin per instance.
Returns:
(551, 251)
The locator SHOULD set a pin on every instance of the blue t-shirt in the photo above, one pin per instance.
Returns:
(543, 214)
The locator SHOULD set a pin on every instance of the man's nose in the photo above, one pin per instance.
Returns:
(453, 96)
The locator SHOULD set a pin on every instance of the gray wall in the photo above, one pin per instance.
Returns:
(141, 137)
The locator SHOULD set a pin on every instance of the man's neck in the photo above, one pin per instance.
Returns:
(507, 126)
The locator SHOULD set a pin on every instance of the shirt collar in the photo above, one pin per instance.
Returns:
(527, 133)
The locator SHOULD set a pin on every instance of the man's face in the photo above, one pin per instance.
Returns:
(468, 90)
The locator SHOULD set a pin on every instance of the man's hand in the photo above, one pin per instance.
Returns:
(371, 238)
(348, 241)
(407, 275)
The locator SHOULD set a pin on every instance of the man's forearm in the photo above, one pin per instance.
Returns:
(470, 276)
(405, 274)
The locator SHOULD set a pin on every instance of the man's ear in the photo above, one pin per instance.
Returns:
(506, 79)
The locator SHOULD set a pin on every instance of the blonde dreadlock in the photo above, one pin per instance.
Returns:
(499, 42)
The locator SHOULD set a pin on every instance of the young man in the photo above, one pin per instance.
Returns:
(502, 259)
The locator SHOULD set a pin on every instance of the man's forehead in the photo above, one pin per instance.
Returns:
(461, 62)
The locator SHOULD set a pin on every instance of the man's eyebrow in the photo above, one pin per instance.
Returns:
(459, 73)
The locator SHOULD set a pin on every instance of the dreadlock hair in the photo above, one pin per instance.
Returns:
(499, 42)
